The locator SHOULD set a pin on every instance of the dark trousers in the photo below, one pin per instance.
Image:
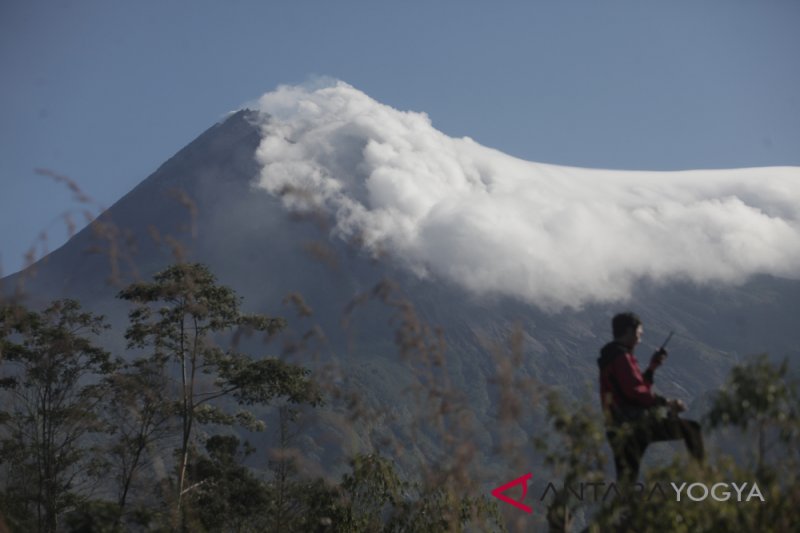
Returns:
(628, 441)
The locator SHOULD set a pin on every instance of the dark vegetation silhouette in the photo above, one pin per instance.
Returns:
(160, 436)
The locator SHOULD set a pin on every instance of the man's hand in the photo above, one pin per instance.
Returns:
(676, 405)
(658, 358)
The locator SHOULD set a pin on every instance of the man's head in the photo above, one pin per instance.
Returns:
(627, 329)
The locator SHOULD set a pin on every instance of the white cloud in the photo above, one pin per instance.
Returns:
(553, 236)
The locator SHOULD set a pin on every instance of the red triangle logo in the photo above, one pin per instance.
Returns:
(498, 492)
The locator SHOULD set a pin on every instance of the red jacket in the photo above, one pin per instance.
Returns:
(622, 384)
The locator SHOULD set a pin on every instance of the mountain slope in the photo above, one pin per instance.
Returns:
(205, 199)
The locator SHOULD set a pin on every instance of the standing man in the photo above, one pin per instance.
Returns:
(635, 416)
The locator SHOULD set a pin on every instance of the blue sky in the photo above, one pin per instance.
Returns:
(104, 92)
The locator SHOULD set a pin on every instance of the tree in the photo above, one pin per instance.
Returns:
(52, 388)
(177, 316)
(141, 421)
(761, 395)
(371, 488)
(573, 450)
(225, 495)
(375, 498)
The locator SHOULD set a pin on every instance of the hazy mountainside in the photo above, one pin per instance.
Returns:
(204, 199)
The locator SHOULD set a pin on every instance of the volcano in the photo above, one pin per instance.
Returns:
(295, 200)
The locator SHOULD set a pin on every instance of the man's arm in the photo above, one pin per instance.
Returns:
(632, 385)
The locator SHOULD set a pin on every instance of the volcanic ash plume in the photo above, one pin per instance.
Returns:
(553, 236)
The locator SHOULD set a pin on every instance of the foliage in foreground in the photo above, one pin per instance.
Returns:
(758, 407)
(94, 443)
